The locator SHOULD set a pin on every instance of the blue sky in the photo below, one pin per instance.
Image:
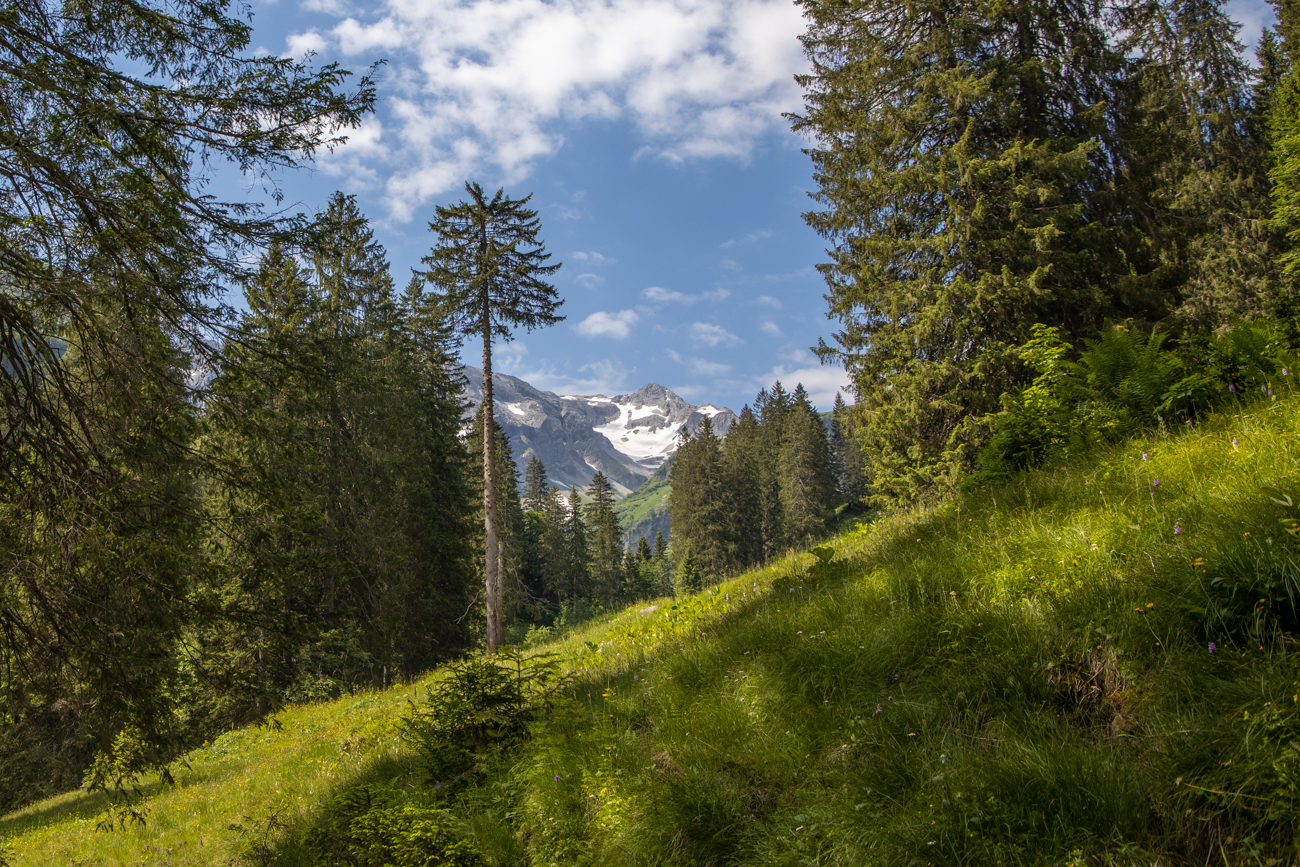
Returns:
(650, 135)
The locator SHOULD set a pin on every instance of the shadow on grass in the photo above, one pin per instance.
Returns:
(83, 804)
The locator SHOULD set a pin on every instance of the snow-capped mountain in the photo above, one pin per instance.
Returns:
(627, 436)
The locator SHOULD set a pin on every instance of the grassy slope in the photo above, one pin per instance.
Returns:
(645, 510)
(1020, 676)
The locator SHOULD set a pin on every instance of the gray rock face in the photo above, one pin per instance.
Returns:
(627, 436)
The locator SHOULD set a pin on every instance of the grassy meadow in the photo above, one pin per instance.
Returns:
(1090, 665)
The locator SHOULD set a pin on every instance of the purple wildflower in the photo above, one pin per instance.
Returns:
(438, 785)
(557, 778)
(1155, 483)
(636, 677)
(1234, 442)
(1284, 371)
(1231, 387)
(1178, 528)
(728, 597)
(879, 709)
(1144, 456)
(1212, 647)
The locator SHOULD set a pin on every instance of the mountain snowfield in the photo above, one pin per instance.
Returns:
(626, 436)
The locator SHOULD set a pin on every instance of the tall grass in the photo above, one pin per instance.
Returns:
(1077, 667)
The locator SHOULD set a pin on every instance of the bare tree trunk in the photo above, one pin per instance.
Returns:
(491, 545)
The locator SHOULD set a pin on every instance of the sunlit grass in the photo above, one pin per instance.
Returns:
(1023, 675)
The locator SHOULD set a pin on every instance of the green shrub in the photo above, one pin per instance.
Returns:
(483, 705)
(1124, 382)
(369, 826)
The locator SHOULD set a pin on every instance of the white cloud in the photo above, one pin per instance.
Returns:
(299, 45)
(658, 293)
(700, 367)
(601, 324)
(590, 281)
(338, 8)
(713, 335)
(484, 87)
(593, 257)
(820, 382)
(600, 377)
(662, 295)
(769, 301)
(771, 328)
(1253, 16)
(751, 238)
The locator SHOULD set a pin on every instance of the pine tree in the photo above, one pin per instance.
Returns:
(578, 548)
(974, 183)
(772, 408)
(698, 503)
(491, 283)
(535, 486)
(743, 476)
(109, 259)
(555, 550)
(606, 541)
(689, 579)
(510, 515)
(807, 488)
(847, 461)
(664, 565)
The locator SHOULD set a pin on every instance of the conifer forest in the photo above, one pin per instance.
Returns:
(239, 476)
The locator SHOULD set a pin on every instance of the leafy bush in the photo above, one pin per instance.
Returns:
(483, 705)
(369, 826)
(1123, 382)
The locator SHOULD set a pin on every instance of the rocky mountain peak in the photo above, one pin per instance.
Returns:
(627, 436)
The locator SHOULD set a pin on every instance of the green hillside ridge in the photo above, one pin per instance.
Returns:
(644, 512)
(1089, 665)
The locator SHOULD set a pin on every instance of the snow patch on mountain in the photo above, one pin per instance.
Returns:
(626, 437)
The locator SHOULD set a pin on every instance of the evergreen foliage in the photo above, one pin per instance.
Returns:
(488, 267)
(111, 258)
(605, 542)
(985, 167)
(768, 485)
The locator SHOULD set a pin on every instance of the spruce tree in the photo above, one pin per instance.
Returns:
(807, 487)
(699, 502)
(555, 550)
(689, 579)
(985, 167)
(606, 541)
(111, 259)
(490, 267)
(535, 486)
(743, 477)
(578, 548)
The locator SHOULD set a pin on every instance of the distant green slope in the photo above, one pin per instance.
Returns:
(1092, 665)
(644, 512)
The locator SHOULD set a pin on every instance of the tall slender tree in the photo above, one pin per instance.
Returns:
(606, 540)
(490, 267)
(535, 487)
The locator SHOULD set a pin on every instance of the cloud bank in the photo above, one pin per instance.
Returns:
(486, 86)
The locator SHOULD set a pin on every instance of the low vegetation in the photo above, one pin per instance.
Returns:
(1087, 665)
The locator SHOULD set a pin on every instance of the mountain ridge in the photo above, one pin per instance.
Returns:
(626, 436)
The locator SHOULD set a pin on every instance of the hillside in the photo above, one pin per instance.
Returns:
(644, 512)
(1093, 665)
